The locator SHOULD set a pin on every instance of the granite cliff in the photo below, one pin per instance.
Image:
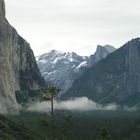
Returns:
(101, 53)
(114, 79)
(18, 68)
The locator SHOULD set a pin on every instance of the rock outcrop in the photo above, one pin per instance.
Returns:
(18, 69)
(101, 53)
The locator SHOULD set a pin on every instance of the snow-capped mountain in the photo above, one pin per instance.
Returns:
(62, 69)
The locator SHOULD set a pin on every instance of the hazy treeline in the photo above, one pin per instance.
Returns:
(121, 125)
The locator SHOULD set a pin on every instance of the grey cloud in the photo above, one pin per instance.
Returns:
(90, 21)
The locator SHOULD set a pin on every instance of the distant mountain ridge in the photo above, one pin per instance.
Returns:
(62, 69)
(114, 79)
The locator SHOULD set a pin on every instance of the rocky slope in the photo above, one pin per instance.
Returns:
(18, 69)
(62, 69)
(13, 131)
(114, 79)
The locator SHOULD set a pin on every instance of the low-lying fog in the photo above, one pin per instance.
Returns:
(76, 104)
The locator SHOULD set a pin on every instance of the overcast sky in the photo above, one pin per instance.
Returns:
(74, 25)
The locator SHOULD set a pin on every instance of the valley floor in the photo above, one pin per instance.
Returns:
(120, 125)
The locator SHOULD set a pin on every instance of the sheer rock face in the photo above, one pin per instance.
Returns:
(101, 53)
(2, 8)
(18, 69)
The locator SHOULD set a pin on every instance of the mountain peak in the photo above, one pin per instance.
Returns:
(2, 8)
(135, 40)
(134, 43)
(53, 51)
(101, 52)
(106, 47)
(61, 68)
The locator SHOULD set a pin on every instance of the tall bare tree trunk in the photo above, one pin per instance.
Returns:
(52, 117)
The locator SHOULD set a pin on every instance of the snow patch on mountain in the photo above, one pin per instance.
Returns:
(62, 69)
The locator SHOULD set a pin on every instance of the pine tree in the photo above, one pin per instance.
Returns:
(50, 96)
